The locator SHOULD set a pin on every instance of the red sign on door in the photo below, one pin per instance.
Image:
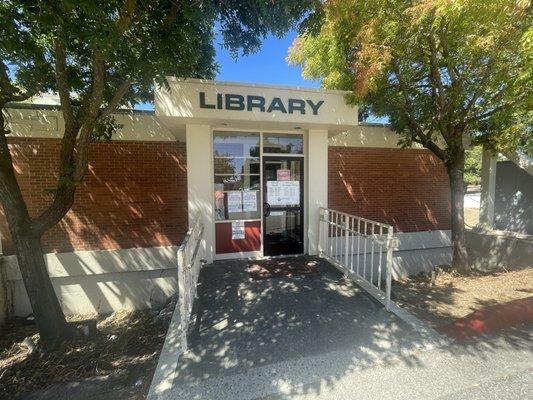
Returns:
(284, 174)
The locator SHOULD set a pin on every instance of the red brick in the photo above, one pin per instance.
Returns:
(407, 188)
(134, 194)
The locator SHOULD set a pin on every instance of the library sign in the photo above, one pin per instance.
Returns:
(237, 102)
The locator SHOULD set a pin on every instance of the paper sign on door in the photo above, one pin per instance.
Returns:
(249, 201)
(284, 174)
(237, 230)
(283, 193)
(234, 202)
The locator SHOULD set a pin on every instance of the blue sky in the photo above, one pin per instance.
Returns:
(268, 65)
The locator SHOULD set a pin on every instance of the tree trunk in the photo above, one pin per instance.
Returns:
(456, 176)
(49, 316)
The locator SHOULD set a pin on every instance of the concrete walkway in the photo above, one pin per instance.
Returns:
(257, 338)
(497, 367)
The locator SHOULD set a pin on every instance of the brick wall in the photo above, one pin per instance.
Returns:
(134, 194)
(407, 188)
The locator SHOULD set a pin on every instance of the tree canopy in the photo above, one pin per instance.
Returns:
(433, 67)
(98, 56)
(439, 70)
(137, 41)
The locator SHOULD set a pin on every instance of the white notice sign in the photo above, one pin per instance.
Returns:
(237, 230)
(234, 202)
(283, 193)
(249, 201)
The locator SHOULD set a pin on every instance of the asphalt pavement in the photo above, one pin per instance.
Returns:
(321, 337)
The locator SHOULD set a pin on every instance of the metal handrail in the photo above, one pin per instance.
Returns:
(361, 248)
(189, 265)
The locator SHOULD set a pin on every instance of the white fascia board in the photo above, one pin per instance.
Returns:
(195, 101)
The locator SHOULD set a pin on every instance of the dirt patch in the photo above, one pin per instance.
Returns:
(471, 217)
(279, 267)
(116, 363)
(455, 296)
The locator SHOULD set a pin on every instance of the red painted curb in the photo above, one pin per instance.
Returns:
(490, 319)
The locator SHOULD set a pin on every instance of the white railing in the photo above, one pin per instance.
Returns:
(189, 265)
(360, 248)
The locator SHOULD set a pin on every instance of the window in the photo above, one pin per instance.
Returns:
(282, 143)
(237, 177)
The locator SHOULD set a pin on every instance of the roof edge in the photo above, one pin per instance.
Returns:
(255, 85)
(30, 106)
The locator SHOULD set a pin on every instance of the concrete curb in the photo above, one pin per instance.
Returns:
(490, 319)
(168, 359)
(434, 338)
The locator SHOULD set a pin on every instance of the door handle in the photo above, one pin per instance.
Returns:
(266, 209)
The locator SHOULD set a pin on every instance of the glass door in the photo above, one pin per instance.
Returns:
(283, 205)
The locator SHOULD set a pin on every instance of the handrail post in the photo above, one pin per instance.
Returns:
(320, 239)
(346, 239)
(189, 266)
(390, 238)
(182, 287)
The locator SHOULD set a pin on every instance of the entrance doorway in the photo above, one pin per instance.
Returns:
(283, 205)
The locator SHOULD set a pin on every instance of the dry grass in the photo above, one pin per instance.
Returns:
(126, 348)
(455, 296)
(471, 217)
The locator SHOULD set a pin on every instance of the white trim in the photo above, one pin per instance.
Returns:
(255, 85)
(227, 128)
(488, 189)
(304, 134)
(99, 262)
(200, 181)
(49, 124)
(100, 281)
(165, 371)
(221, 221)
(420, 240)
(178, 103)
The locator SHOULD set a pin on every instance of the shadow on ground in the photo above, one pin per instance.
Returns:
(252, 338)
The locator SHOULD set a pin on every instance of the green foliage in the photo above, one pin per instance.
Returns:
(98, 56)
(140, 41)
(473, 165)
(437, 69)
(105, 129)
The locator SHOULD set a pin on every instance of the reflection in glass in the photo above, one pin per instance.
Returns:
(283, 225)
(234, 165)
(237, 182)
(227, 144)
(272, 167)
(236, 175)
(247, 208)
(280, 143)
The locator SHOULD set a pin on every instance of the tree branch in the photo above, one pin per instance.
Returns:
(424, 139)
(91, 114)
(430, 145)
(452, 69)
(436, 79)
(491, 112)
(71, 172)
(116, 99)
(172, 14)
(10, 193)
(62, 86)
(9, 92)
(126, 16)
